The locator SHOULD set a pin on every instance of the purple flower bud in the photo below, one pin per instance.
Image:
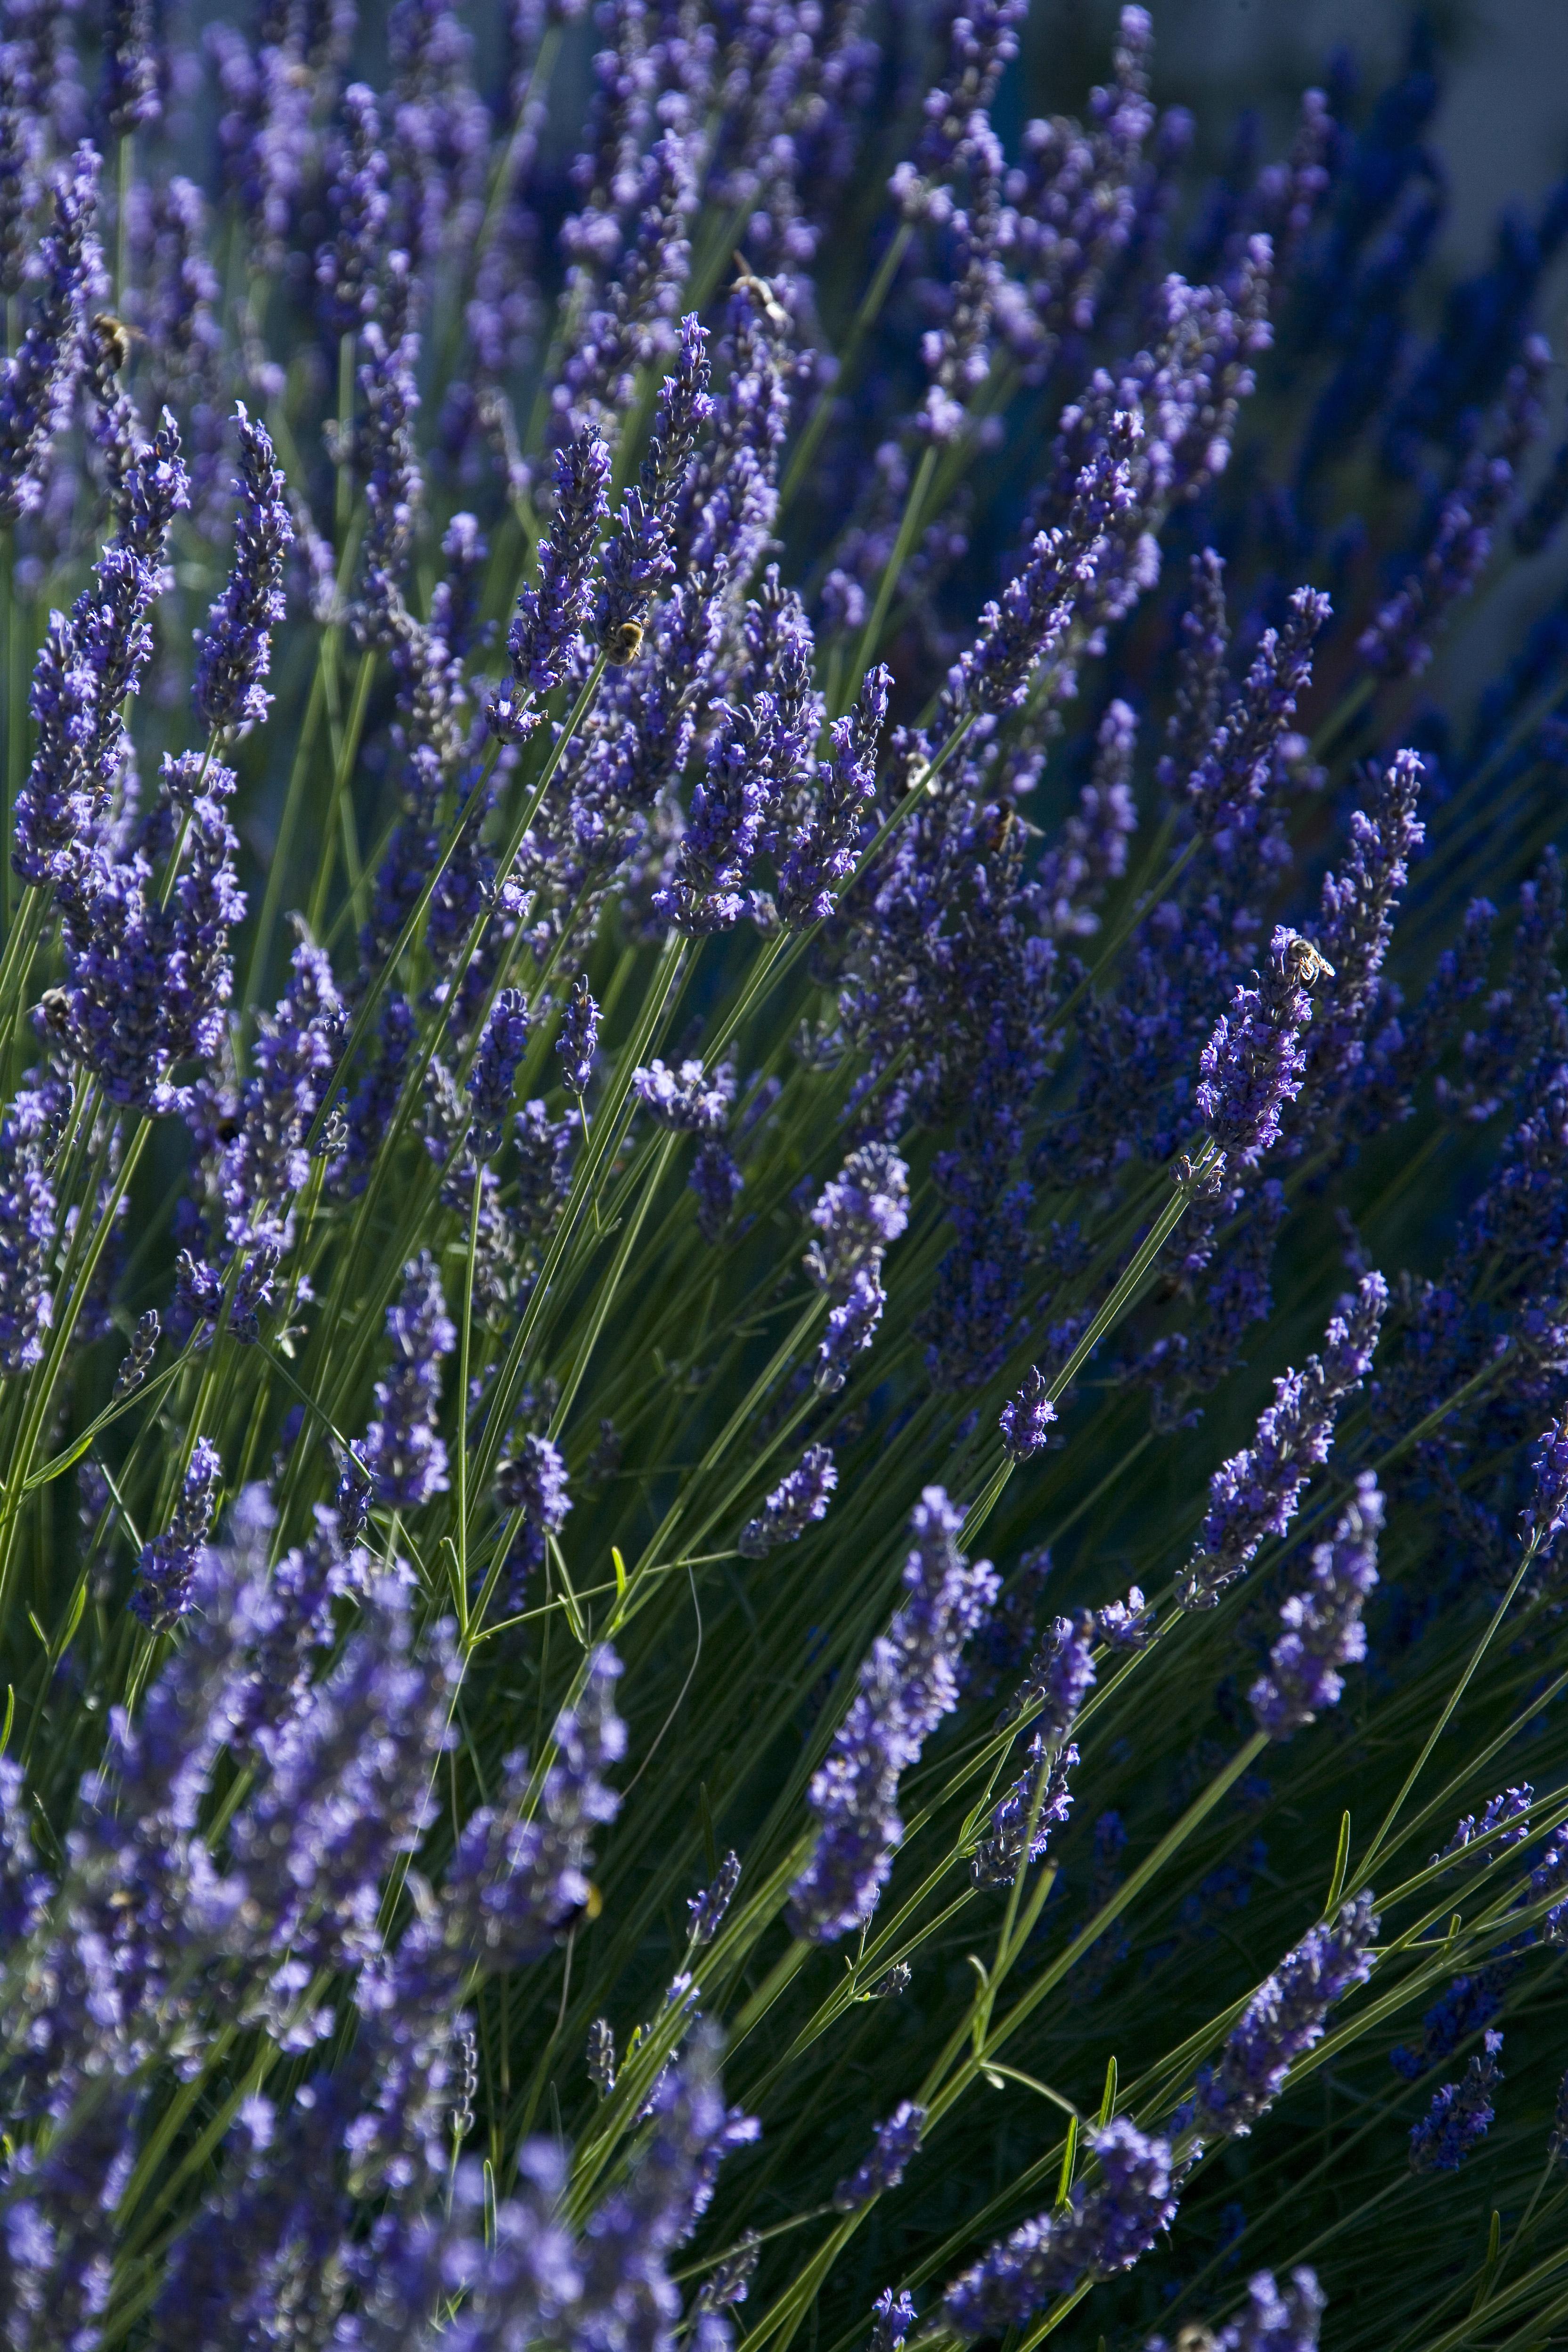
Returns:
(823, 846)
(707, 1910)
(357, 201)
(163, 1590)
(1460, 2113)
(688, 1100)
(131, 99)
(1022, 1824)
(1545, 1515)
(552, 615)
(1323, 1627)
(718, 1184)
(1104, 2229)
(897, 2144)
(494, 1071)
(908, 1683)
(1284, 2020)
(1253, 1062)
(38, 382)
(795, 1504)
(533, 1481)
(236, 655)
(1256, 1493)
(638, 565)
(861, 1209)
(1027, 1417)
(579, 1038)
(402, 1452)
(1482, 1841)
(1058, 1677)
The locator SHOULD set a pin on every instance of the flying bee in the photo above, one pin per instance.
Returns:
(763, 295)
(1310, 965)
(115, 339)
(625, 644)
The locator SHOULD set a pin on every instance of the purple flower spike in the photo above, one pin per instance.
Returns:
(822, 849)
(1027, 1418)
(897, 2144)
(794, 1505)
(1457, 2119)
(1059, 1676)
(1545, 1515)
(1104, 2230)
(1284, 2020)
(163, 1590)
(1256, 1493)
(1255, 1062)
(1042, 1796)
(637, 564)
(1323, 1627)
(494, 1072)
(579, 1038)
(357, 201)
(862, 1210)
(1276, 2320)
(533, 1481)
(552, 615)
(236, 655)
(707, 1910)
(38, 382)
(402, 1452)
(908, 1683)
(892, 2320)
(130, 99)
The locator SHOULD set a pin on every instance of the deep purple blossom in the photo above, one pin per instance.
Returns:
(236, 655)
(1102, 2230)
(638, 565)
(402, 1451)
(533, 1482)
(1545, 1515)
(718, 1184)
(795, 1504)
(1323, 1631)
(1276, 2319)
(38, 380)
(1027, 1417)
(1460, 2113)
(579, 1038)
(1021, 1825)
(1239, 763)
(358, 205)
(860, 1212)
(895, 2148)
(494, 1071)
(706, 1911)
(1285, 2018)
(820, 853)
(1255, 1061)
(690, 1100)
(907, 1685)
(552, 614)
(1482, 1841)
(265, 1163)
(1255, 1494)
(30, 1134)
(163, 1590)
(1059, 1676)
(892, 2320)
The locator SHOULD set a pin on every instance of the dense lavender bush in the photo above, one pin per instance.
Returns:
(783, 1189)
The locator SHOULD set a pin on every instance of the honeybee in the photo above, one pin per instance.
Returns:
(115, 337)
(763, 295)
(625, 644)
(1309, 964)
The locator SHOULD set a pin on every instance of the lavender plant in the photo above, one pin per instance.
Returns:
(784, 1180)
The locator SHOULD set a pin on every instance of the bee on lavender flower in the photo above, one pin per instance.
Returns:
(762, 294)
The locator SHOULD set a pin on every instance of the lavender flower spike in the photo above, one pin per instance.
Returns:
(1027, 1417)
(579, 1038)
(861, 1209)
(1103, 2230)
(1323, 1627)
(1255, 1493)
(908, 1683)
(897, 2144)
(1284, 2020)
(795, 1504)
(38, 380)
(706, 1911)
(1253, 1062)
(552, 615)
(638, 565)
(892, 2319)
(1457, 2119)
(822, 851)
(1545, 1515)
(168, 1563)
(1275, 2321)
(402, 1452)
(494, 1072)
(236, 655)
(1026, 1815)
